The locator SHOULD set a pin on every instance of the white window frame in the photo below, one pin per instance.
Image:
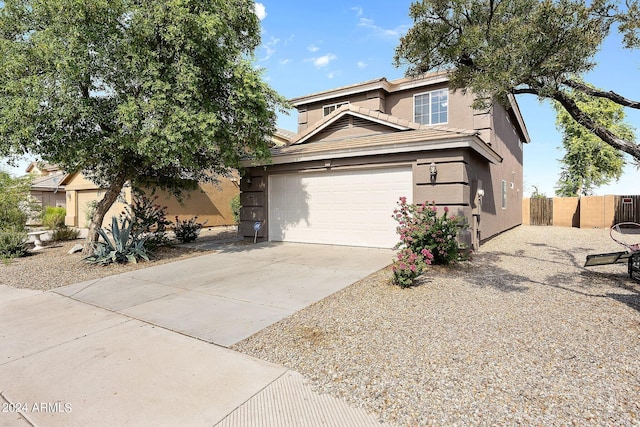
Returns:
(430, 104)
(504, 194)
(332, 107)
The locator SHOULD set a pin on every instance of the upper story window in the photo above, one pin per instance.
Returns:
(328, 109)
(432, 107)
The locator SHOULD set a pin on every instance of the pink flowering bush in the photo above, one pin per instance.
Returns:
(408, 265)
(425, 238)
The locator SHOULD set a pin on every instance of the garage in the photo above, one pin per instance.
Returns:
(341, 207)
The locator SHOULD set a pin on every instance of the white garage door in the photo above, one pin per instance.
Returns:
(338, 207)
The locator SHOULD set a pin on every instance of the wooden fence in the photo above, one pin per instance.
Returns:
(585, 212)
(627, 209)
(541, 211)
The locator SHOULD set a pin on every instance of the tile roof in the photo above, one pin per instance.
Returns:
(372, 141)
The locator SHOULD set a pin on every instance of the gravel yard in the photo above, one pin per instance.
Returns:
(53, 267)
(521, 335)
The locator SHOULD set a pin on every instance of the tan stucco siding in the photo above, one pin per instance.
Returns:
(84, 200)
(211, 203)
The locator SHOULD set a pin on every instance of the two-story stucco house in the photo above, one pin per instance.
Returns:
(361, 147)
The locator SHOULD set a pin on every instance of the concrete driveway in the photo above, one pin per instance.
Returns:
(135, 349)
(231, 293)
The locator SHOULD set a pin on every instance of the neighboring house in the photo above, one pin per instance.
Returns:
(360, 148)
(210, 202)
(47, 186)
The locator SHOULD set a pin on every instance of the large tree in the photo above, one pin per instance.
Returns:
(588, 162)
(500, 48)
(160, 91)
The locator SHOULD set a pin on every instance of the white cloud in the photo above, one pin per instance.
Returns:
(392, 33)
(313, 48)
(362, 64)
(284, 61)
(260, 10)
(324, 60)
(270, 48)
(358, 10)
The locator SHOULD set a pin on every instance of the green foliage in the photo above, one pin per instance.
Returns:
(53, 217)
(65, 233)
(123, 247)
(588, 162)
(187, 230)
(13, 243)
(122, 90)
(148, 219)
(537, 194)
(15, 203)
(503, 48)
(235, 209)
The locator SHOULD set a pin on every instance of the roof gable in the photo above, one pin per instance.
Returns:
(365, 122)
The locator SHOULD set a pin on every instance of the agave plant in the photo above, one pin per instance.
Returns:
(123, 247)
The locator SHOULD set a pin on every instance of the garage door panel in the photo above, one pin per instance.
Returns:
(343, 207)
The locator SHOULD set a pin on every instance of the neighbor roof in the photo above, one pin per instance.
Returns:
(51, 182)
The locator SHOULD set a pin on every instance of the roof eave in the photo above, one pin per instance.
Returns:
(518, 115)
(474, 143)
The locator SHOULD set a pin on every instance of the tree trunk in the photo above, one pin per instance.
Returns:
(102, 207)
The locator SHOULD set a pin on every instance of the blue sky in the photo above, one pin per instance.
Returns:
(311, 47)
(315, 47)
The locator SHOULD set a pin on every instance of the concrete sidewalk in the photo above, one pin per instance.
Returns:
(107, 352)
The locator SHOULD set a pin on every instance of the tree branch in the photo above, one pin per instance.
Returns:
(591, 91)
(585, 120)
(602, 132)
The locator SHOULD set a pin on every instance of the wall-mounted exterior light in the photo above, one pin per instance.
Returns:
(433, 170)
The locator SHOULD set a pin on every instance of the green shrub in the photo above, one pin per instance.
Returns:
(235, 209)
(188, 230)
(15, 203)
(13, 243)
(123, 247)
(65, 233)
(53, 217)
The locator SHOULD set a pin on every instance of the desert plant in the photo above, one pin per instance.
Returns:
(188, 230)
(235, 209)
(148, 218)
(126, 246)
(53, 217)
(13, 243)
